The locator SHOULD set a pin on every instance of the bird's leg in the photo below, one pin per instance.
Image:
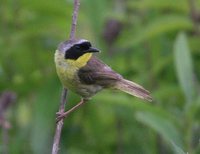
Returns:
(65, 114)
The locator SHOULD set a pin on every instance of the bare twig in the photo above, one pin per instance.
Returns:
(59, 126)
(74, 19)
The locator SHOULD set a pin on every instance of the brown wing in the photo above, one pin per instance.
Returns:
(96, 72)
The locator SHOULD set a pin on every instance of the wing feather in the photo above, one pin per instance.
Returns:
(96, 72)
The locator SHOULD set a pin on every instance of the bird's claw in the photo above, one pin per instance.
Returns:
(60, 116)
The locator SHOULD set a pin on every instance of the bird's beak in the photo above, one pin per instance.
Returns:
(91, 49)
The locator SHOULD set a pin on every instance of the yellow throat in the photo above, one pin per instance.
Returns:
(67, 68)
(81, 61)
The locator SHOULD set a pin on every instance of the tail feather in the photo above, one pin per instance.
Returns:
(133, 89)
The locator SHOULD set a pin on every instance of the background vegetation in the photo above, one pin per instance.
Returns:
(152, 42)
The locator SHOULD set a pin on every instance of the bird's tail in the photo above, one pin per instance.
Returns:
(133, 89)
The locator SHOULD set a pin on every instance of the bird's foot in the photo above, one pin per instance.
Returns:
(62, 115)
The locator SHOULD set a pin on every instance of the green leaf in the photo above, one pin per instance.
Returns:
(130, 102)
(177, 149)
(155, 28)
(184, 67)
(160, 124)
(43, 121)
(160, 5)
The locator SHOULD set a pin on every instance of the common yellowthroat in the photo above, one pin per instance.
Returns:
(83, 73)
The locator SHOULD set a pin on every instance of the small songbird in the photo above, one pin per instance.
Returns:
(83, 73)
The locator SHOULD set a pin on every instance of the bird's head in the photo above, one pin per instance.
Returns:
(76, 49)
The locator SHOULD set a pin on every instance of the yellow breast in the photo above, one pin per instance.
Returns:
(67, 68)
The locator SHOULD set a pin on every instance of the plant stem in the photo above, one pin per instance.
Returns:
(74, 19)
(59, 126)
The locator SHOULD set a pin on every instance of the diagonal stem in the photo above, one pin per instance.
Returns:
(59, 126)
(74, 19)
(60, 123)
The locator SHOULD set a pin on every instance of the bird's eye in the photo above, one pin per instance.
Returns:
(77, 47)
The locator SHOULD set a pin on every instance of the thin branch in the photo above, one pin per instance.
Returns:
(63, 102)
(59, 126)
(74, 19)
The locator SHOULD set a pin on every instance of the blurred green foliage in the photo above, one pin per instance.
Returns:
(152, 42)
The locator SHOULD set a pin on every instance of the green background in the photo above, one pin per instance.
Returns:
(155, 43)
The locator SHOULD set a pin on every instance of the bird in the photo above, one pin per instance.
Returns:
(82, 72)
